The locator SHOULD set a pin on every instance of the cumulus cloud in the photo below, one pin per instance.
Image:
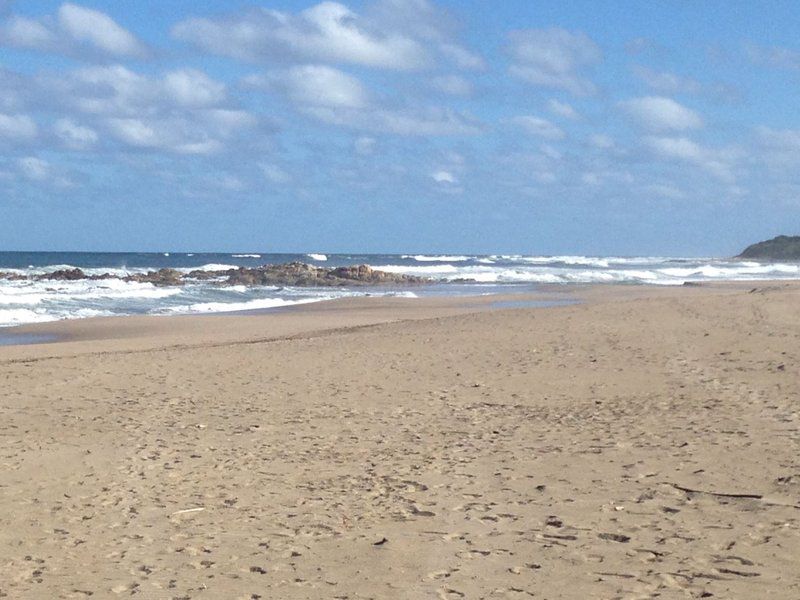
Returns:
(328, 32)
(182, 111)
(337, 98)
(554, 58)
(718, 163)
(34, 168)
(17, 127)
(22, 32)
(73, 135)
(430, 121)
(454, 85)
(99, 30)
(779, 148)
(539, 127)
(562, 109)
(275, 174)
(315, 85)
(189, 87)
(658, 113)
(443, 176)
(73, 28)
(461, 57)
(665, 82)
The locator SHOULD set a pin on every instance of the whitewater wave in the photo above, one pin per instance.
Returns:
(208, 267)
(35, 301)
(259, 303)
(437, 258)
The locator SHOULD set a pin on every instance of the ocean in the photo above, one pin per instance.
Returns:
(28, 301)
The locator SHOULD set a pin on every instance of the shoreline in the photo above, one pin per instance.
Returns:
(142, 331)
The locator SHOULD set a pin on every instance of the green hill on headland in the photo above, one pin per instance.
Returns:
(783, 247)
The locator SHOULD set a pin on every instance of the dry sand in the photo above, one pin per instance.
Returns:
(642, 444)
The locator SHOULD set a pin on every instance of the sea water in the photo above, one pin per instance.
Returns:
(28, 301)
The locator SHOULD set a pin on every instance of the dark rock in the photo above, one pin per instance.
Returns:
(294, 274)
(783, 247)
(64, 275)
(160, 277)
(12, 276)
(301, 274)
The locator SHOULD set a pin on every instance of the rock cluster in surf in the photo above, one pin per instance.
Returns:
(293, 274)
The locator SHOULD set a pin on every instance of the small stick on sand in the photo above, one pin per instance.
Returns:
(728, 495)
(187, 510)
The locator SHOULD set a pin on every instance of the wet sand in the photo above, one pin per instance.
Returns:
(643, 443)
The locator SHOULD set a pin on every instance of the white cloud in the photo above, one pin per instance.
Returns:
(667, 83)
(73, 27)
(74, 136)
(34, 168)
(316, 85)
(189, 87)
(658, 113)
(461, 57)
(22, 32)
(443, 176)
(455, 85)
(17, 127)
(718, 163)
(337, 98)
(776, 57)
(328, 32)
(182, 111)
(99, 30)
(779, 148)
(562, 109)
(407, 122)
(275, 174)
(554, 58)
(179, 135)
(539, 127)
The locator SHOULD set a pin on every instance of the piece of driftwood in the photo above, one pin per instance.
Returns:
(730, 495)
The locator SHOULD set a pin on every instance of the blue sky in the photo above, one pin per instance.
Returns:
(399, 126)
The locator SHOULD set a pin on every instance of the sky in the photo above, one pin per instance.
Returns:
(598, 128)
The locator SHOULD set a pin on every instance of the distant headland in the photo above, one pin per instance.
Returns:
(783, 247)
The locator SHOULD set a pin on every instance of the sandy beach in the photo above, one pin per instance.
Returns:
(644, 443)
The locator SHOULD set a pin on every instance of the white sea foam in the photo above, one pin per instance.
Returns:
(19, 316)
(244, 255)
(208, 267)
(31, 300)
(317, 257)
(259, 303)
(437, 258)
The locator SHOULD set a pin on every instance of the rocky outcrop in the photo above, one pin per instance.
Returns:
(783, 247)
(9, 276)
(64, 275)
(289, 274)
(160, 277)
(301, 274)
